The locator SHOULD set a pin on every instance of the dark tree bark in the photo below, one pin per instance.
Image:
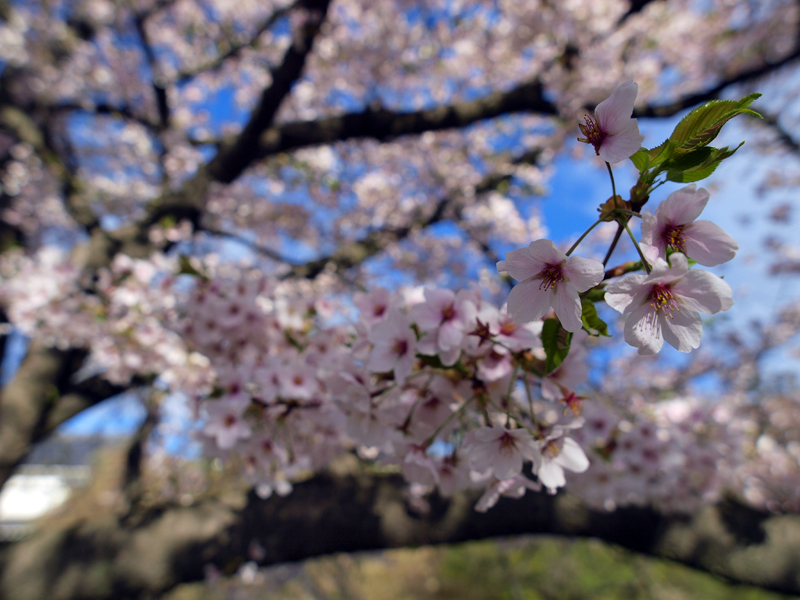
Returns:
(149, 553)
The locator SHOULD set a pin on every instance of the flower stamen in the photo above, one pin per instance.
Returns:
(673, 236)
(661, 298)
(550, 276)
(592, 133)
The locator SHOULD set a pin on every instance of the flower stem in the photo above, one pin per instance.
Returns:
(432, 437)
(613, 245)
(613, 186)
(638, 249)
(583, 236)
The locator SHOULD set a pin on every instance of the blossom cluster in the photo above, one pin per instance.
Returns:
(664, 304)
(443, 385)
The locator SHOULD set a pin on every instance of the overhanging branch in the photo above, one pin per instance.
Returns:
(171, 545)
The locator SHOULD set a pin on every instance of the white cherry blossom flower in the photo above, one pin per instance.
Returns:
(549, 278)
(394, 343)
(674, 226)
(613, 133)
(666, 304)
(501, 450)
(559, 452)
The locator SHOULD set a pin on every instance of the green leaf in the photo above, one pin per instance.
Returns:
(690, 160)
(555, 340)
(714, 156)
(185, 267)
(661, 154)
(592, 323)
(703, 124)
(641, 160)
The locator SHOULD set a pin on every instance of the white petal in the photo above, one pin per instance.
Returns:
(551, 475)
(526, 302)
(643, 330)
(567, 305)
(683, 330)
(583, 273)
(572, 456)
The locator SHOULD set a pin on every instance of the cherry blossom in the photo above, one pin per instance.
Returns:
(549, 279)
(394, 344)
(613, 133)
(500, 450)
(558, 453)
(674, 226)
(665, 304)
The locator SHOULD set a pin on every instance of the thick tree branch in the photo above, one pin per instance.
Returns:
(107, 558)
(230, 163)
(41, 396)
(381, 124)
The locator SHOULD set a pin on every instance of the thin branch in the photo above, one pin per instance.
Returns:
(264, 250)
(235, 49)
(159, 89)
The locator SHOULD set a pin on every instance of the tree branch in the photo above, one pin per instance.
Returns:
(108, 558)
(235, 49)
(41, 396)
(230, 163)
(381, 124)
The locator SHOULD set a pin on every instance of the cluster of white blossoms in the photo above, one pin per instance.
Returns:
(665, 303)
(444, 385)
(453, 391)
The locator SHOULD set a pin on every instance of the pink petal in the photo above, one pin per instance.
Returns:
(622, 145)
(614, 113)
(708, 244)
(643, 330)
(567, 305)
(520, 264)
(546, 252)
(704, 292)
(682, 206)
(683, 330)
(630, 291)
(526, 302)
(583, 273)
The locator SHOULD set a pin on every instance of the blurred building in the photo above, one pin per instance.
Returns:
(45, 480)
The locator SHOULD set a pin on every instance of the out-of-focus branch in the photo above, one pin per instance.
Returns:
(347, 513)
(356, 252)
(230, 163)
(234, 49)
(668, 110)
(40, 397)
(381, 124)
(159, 90)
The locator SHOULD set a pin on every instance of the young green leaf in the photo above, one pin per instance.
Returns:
(556, 341)
(592, 323)
(703, 124)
